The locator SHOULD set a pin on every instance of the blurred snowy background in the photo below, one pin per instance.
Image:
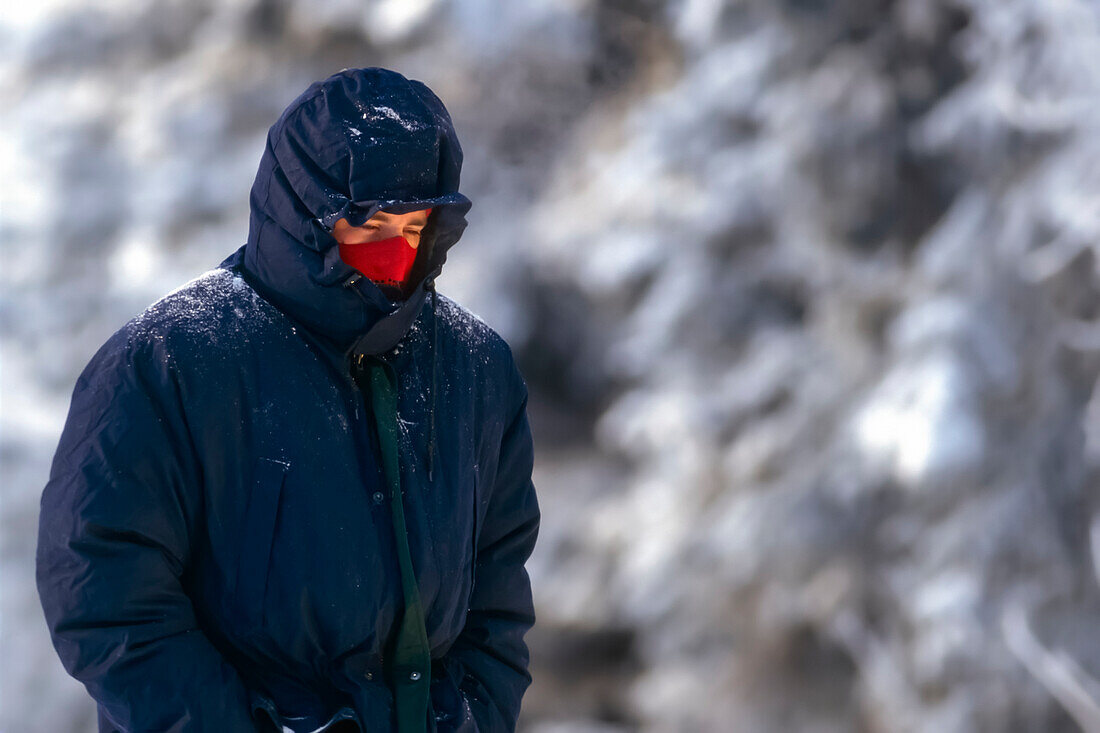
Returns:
(805, 291)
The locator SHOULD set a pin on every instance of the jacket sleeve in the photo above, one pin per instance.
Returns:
(117, 517)
(490, 655)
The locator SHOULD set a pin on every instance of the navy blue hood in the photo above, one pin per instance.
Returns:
(359, 141)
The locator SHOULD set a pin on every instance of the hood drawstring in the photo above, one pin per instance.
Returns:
(431, 416)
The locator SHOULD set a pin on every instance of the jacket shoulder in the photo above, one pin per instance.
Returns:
(469, 332)
(486, 352)
(216, 309)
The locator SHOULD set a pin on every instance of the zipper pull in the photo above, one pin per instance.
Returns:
(356, 364)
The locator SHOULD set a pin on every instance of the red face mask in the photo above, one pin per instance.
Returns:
(386, 262)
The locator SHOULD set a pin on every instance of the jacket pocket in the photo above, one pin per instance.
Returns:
(257, 535)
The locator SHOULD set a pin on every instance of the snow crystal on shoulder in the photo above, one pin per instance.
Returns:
(218, 306)
(470, 333)
(467, 326)
(473, 347)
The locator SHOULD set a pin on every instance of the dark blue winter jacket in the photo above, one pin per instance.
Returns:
(216, 544)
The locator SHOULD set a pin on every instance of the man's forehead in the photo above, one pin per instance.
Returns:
(387, 214)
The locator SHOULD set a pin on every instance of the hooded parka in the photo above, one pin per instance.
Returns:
(219, 547)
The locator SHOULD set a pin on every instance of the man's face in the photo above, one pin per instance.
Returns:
(383, 225)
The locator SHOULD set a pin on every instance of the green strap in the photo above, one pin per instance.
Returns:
(410, 663)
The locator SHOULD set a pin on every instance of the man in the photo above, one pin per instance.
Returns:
(294, 494)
